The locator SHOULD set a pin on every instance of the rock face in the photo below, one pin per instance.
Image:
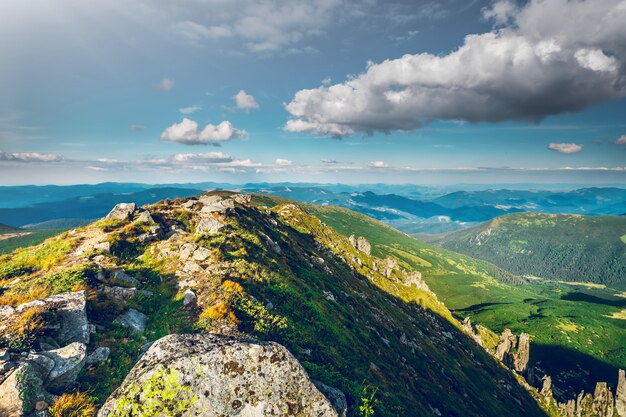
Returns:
(122, 211)
(216, 204)
(68, 362)
(620, 394)
(66, 315)
(360, 244)
(212, 375)
(208, 226)
(514, 352)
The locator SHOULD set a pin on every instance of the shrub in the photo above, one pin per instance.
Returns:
(21, 332)
(77, 404)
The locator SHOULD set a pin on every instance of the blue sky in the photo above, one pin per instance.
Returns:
(321, 91)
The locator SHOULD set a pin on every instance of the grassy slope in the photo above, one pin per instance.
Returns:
(563, 247)
(34, 237)
(350, 342)
(565, 321)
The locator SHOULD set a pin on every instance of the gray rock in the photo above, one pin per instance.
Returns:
(101, 354)
(121, 294)
(68, 362)
(209, 226)
(123, 278)
(4, 355)
(189, 298)
(201, 254)
(336, 397)
(144, 217)
(363, 245)
(20, 391)
(603, 403)
(134, 320)
(42, 364)
(216, 204)
(215, 375)
(620, 394)
(66, 314)
(103, 247)
(522, 356)
(121, 211)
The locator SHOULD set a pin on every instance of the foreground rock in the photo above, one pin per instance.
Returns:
(213, 375)
(122, 211)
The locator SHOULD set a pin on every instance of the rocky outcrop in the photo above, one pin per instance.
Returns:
(469, 329)
(216, 204)
(190, 375)
(122, 211)
(361, 244)
(514, 352)
(66, 317)
(620, 394)
(20, 391)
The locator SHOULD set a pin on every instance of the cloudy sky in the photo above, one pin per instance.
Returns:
(351, 91)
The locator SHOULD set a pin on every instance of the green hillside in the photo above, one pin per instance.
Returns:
(578, 331)
(275, 273)
(560, 247)
(7, 229)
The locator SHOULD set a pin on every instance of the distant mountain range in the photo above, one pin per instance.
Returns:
(411, 209)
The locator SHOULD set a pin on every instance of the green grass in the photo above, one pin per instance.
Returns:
(34, 237)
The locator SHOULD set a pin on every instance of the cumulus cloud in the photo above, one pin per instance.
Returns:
(209, 157)
(30, 157)
(190, 109)
(166, 84)
(377, 164)
(283, 162)
(245, 101)
(566, 148)
(621, 140)
(541, 59)
(187, 132)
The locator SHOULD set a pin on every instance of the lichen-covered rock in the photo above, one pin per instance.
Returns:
(68, 362)
(101, 354)
(122, 211)
(603, 404)
(123, 278)
(213, 375)
(336, 397)
(216, 204)
(20, 391)
(507, 341)
(66, 316)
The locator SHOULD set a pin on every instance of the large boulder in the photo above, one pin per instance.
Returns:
(134, 320)
(216, 204)
(20, 391)
(620, 394)
(121, 211)
(68, 362)
(66, 316)
(209, 226)
(214, 375)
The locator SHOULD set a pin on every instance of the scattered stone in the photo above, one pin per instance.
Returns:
(186, 251)
(328, 295)
(101, 354)
(122, 211)
(189, 298)
(103, 247)
(121, 294)
(243, 199)
(209, 226)
(134, 320)
(144, 217)
(68, 362)
(219, 375)
(41, 406)
(123, 278)
(201, 254)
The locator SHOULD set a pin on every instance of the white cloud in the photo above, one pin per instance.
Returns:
(330, 161)
(209, 157)
(187, 132)
(377, 164)
(621, 140)
(137, 127)
(566, 148)
(283, 162)
(30, 157)
(166, 84)
(245, 101)
(547, 59)
(190, 109)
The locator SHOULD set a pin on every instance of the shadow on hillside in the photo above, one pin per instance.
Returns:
(588, 298)
(571, 370)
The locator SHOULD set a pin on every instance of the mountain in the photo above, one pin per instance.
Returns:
(265, 268)
(557, 246)
(4, 229)
(563, 318)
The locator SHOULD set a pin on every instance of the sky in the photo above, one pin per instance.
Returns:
(335, 91)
